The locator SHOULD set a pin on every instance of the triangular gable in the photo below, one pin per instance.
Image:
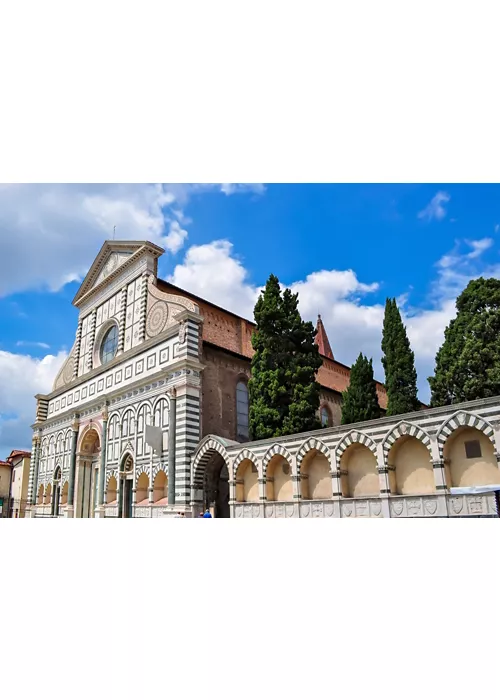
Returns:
(112, 256)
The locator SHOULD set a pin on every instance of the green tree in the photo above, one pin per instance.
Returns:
(284, 394)
(468, 362)
(399, 364)
(359, 401)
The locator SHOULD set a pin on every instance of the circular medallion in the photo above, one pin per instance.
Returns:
(68, 371)
(157, 318)
(110, 266)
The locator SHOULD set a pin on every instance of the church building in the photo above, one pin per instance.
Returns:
(146, 356)
(148, 417)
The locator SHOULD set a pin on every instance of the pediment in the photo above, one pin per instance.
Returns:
(111, 259)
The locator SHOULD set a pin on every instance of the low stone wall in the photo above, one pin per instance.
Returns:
(427, 506)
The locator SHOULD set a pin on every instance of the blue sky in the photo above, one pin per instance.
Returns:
(343, 247)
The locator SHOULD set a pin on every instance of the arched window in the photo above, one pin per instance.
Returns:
(242, 411)
(325, 417)
(109, 345)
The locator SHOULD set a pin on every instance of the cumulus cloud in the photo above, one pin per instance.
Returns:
(53, 232)
(21, 377)
(435, 209)
(212, 272)
(174, 241)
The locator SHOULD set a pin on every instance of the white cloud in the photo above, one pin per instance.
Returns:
(175, 238)
(478, 247)
(53, 232)
(435, 208)
(210, 271)
(21, 377)
(232, 188)
(37, 344)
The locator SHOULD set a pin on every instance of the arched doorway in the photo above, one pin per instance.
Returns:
(210, 485)
(125, 487)
(89, 454)
(216, 487)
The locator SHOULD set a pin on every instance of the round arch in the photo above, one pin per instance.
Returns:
(244, 454)
(462, 419)
(207, 449)
(85, 434)
(276, 449)
(354, 436)
(307, 446)
(405, 429)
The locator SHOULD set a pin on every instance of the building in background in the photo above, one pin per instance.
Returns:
(20, 461)
(5, 478)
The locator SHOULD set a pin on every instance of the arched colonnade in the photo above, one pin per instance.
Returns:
(406, 461)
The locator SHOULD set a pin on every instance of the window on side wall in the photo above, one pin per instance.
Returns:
(325, 417)
(242, 411)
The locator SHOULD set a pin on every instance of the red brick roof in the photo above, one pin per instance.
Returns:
(5, 464)
(18, 453)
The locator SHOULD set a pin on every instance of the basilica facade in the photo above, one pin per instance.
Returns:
(149, 416)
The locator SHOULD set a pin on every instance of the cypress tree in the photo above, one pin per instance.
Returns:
(284, 396)
(359, 401)
(399, 364)
(468, 362)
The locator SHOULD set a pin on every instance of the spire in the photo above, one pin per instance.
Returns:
(322, 341)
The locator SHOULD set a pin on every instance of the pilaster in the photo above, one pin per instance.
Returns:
(172, 429)
(123, 321)
(336, 484)
(262, 489)
(33, 476)
(102, 467)
(78, 345)
(90, 352)
(296, 478)
(143, 306)
(72, 465)
(384, 480)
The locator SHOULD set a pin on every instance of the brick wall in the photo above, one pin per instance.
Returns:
(218, 402)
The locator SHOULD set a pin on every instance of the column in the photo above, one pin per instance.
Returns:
(121, 495)
(439, 471)
(384, 481)
(70, 506)
(297, 495)
(53, 499)
(262, 489)
(102, 467)
(172, 424)
(134, 500)
(35, 460)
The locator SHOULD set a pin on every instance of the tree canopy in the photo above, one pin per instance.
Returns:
(468, 362)
(399, 364)
(360, 401)
(284, 394)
